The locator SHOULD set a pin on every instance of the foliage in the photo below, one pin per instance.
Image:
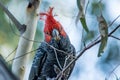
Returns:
(97, 7)
(81, 4)
(103, 29)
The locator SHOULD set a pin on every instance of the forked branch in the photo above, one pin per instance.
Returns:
(20, 27)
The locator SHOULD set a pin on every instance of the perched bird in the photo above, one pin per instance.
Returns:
(54, 54)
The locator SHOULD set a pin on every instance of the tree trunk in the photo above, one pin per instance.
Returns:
(24, 46)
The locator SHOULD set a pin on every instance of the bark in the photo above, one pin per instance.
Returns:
(24, 45)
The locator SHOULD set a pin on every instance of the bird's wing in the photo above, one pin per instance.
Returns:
(73, 53)
(66, 45)
(38, 62)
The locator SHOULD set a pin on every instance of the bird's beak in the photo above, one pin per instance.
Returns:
(55, 34)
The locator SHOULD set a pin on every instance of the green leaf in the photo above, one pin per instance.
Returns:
(78, 4)
(90, 36)
(96, 8)
(81, 4)
(83, 22)
(104, 34)
(102, 45)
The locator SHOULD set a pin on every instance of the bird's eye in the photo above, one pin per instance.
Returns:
(47, 33)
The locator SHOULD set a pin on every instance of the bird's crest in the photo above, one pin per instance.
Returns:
(51, 23)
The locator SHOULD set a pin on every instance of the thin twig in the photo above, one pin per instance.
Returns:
(115, 37)
(57, 60)
(66, 61)
(113, 30)
(113, 71)
(114, 21)
(11, 53)
(22, 55)
(60, 50)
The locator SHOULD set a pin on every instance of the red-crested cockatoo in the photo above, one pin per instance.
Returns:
(50, 61)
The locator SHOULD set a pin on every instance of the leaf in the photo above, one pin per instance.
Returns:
(90, 36)
(81, 4)
(78, 4)
(97, 7)
(83, 22)
(102, 46)
(104, 34)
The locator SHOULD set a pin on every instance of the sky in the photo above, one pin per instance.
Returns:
(87, 67)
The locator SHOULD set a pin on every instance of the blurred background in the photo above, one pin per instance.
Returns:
(88, 66)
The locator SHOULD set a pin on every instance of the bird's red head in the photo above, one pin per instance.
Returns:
(50, 24)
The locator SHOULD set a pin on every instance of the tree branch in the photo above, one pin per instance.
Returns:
(23, 55)
(115, 37)
(107, 77)
(56, 56)
(114, 21)
(82, 51)
(113, 30)
(20, 27)
(5, 73)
